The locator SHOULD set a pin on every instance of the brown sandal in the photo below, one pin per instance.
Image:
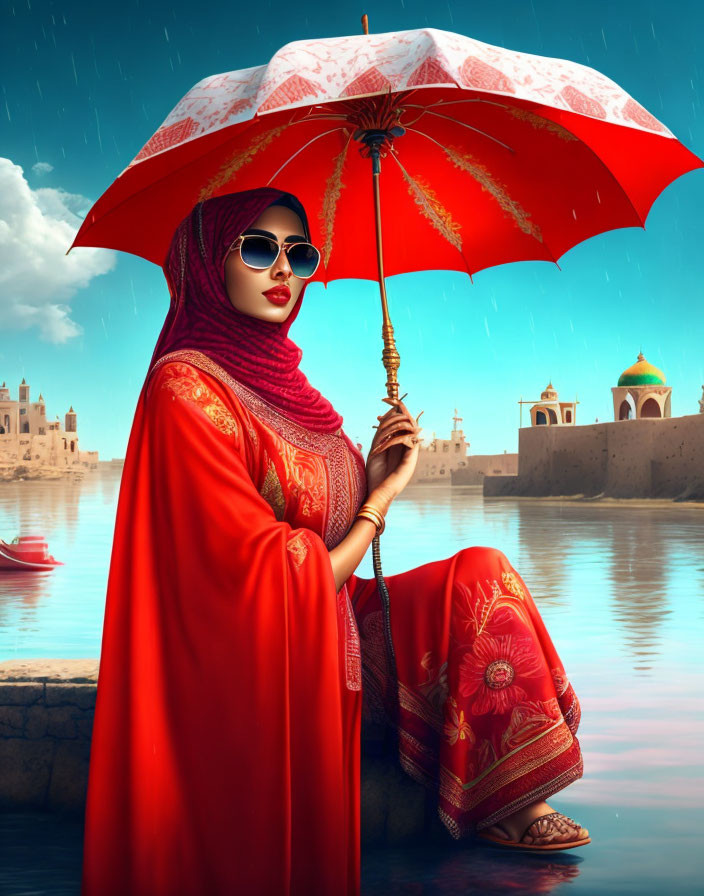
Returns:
(546, 828)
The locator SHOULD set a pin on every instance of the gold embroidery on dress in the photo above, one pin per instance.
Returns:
(527, 719)
(184, 382)
(474, 612)
(298, 547)
(488, 183)
(512, 584)
(272, 492)
(353, 651)
(331, 197)
(537, 752)
(305, 479)
(346, 479)
(456, 726)
(237, 161)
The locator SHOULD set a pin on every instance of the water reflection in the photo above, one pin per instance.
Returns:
(638, 564)
(620, 588)
(471, 870)
(58, 612)
(614, 572)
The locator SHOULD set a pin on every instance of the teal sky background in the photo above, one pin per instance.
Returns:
(84, 87)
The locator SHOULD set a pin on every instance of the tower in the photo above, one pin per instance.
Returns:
(24, 406)
(70, 421)
(8, 412)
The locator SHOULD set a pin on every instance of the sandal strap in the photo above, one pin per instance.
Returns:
(535, 821)
(543, 818)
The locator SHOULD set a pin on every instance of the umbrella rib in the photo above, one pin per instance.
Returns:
(453, 103)
(433, 140)
(299, 151)
(317, 118)
(464, 125)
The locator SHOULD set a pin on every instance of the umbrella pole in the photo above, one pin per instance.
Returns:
(391, 360)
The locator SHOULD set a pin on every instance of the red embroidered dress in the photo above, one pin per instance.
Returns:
(225, 753)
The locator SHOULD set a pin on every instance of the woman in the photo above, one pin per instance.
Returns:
(225, 753)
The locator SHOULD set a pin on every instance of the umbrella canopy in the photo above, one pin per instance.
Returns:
(490, 155)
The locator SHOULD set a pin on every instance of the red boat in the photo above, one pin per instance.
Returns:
(26, 552)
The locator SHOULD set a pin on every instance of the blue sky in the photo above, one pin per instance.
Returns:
(84, 87)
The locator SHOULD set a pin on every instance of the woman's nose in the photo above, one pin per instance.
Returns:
(281, 269)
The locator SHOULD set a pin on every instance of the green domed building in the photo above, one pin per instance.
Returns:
(642, 373)
(641, 392)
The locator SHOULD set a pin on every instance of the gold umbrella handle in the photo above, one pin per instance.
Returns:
(390, 356)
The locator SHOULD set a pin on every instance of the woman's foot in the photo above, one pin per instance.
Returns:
(538, 826)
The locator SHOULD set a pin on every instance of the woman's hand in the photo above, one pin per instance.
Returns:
(394, 451)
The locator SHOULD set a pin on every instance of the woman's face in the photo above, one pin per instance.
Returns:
(247, 288)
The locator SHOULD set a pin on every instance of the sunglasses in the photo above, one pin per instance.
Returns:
(260, 252)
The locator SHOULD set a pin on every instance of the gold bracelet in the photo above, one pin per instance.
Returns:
(369, 512)
(370, 508)
(365, 515)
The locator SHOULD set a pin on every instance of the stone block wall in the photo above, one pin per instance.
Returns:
(479, 466)
(46, 720)
(647, 458)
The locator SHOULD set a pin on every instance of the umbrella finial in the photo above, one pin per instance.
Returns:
(365, 23)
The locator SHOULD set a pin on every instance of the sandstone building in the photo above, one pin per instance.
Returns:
(447, 460)
(32, 444)
(643, 453)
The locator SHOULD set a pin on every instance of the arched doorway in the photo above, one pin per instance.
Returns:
(553, 415)
(540, 418)
(625, 412)
(650, 408)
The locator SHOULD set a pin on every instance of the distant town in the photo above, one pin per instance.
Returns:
(33, 447)
(643, 452)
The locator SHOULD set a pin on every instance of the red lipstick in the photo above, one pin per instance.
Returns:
(278, 295)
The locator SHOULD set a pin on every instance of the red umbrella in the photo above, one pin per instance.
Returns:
(491, 156)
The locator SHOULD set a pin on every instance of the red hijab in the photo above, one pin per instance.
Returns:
(255, 352)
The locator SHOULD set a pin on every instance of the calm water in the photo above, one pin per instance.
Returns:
(621, 589)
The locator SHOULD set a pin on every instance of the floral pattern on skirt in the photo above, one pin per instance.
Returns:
(485, 715)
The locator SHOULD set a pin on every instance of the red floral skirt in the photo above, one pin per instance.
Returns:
(485, 713)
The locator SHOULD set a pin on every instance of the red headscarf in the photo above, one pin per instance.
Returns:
(257, 353)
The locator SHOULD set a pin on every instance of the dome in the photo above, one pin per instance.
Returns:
(642, 373)
(548, 393)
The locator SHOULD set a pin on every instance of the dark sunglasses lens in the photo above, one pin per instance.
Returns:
(258, 251)
(303, 259)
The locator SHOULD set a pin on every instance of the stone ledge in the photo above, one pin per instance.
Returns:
(46, 722)
(78, 671)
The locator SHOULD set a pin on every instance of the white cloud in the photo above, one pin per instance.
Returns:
(42, 168)
(37, 278)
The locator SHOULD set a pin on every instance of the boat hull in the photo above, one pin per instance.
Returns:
(29, 552)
